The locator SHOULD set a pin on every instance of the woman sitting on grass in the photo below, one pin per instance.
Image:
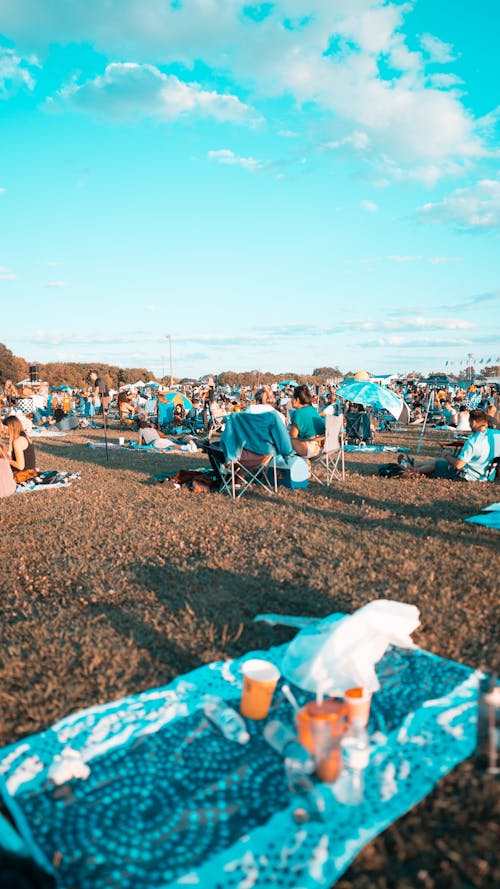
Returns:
(21, 450)
(307, 424)
(150, 435)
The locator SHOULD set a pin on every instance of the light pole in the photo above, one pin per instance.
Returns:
(169, 338)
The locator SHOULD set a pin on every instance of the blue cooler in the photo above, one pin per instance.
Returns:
(293, 472)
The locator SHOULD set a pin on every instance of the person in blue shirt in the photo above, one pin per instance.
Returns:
(307, 424)
(473, 463)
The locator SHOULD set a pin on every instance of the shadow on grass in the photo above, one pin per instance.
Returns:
(208, 614)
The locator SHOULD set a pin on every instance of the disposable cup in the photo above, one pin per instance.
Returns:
(357, 701)
(121, 440)
(320, 728)
(259, 681)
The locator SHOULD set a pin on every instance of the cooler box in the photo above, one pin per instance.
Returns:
(293, 472)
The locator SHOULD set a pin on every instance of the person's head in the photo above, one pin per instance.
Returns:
(302, 395)
(14, 427)
(491, 410)
(144, 423)
(264, 395)
(478, 420)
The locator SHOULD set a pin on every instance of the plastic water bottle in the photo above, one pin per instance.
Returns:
(350, 786)
(487, 755)
(227, 720)
(282, 739)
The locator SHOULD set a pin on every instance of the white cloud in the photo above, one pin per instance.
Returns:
(2, 190)
(128, 90)
(14, 72)
(56, 284)
(404, 258)
(477, 206)
(436, 49)
(444, 81)
(442, 260)
(331, 56)
(226, 156)
(369, 206)
(6, 274)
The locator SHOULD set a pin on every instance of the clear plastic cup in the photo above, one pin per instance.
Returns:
(320, 728)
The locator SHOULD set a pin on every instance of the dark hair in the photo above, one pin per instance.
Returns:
(479, 416)
(302, 394)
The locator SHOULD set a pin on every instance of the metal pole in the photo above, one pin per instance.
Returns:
(424, 424)
(171, 365)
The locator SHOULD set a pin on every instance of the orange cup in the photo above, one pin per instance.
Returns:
(320, 728)
(357, 701)
(259, 681)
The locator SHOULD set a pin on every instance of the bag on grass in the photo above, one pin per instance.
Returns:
(395, 470)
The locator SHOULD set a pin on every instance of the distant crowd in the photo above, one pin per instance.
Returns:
(156, 412)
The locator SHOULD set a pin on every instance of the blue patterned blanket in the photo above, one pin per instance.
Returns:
(169, 802)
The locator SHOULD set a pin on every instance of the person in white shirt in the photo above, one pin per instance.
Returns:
(265, 401)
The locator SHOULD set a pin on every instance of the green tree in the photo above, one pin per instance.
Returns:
(12, 367)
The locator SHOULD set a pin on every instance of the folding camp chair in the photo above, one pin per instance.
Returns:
(260, 435)
(218, 417)
(237, 477)
(331, 456)
(358, 429)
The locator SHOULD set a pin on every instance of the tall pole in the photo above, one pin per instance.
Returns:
(169, 338)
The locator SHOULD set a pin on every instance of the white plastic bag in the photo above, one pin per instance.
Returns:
(332, 656)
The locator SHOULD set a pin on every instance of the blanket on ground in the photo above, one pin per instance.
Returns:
(376, 449)
(47, 481)
(153, 795)
(489, 517)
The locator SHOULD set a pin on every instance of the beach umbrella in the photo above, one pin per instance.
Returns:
(377, 396)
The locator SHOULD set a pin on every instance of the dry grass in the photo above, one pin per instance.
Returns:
(117, 585)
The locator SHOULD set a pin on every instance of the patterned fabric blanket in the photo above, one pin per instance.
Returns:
(375, 449)
(164, 800)
(47, 481)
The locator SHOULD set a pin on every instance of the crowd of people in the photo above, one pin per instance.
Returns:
(472, 411)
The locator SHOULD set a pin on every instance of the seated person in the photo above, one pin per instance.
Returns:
(7, 483)
(251, 438)
(417, 417)
(493, 418)
(21, 454)
(463, 423)
(307, 424)
(125, 407)
(265, 402)
(473, 463)
(449, 414)
(149, 434)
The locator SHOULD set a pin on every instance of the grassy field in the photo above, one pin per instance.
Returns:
(117, 585)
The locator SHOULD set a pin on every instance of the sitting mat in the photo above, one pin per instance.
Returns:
(169, 802)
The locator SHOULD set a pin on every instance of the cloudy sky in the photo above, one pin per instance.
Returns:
(278, 185)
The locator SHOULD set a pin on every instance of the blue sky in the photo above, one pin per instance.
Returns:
(275, 185)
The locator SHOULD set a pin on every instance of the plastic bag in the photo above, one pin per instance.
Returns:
(335, 655)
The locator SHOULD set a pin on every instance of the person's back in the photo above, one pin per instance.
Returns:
(478, 452)
(463, 424)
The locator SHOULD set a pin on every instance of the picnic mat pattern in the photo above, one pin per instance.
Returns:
(170, 802)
